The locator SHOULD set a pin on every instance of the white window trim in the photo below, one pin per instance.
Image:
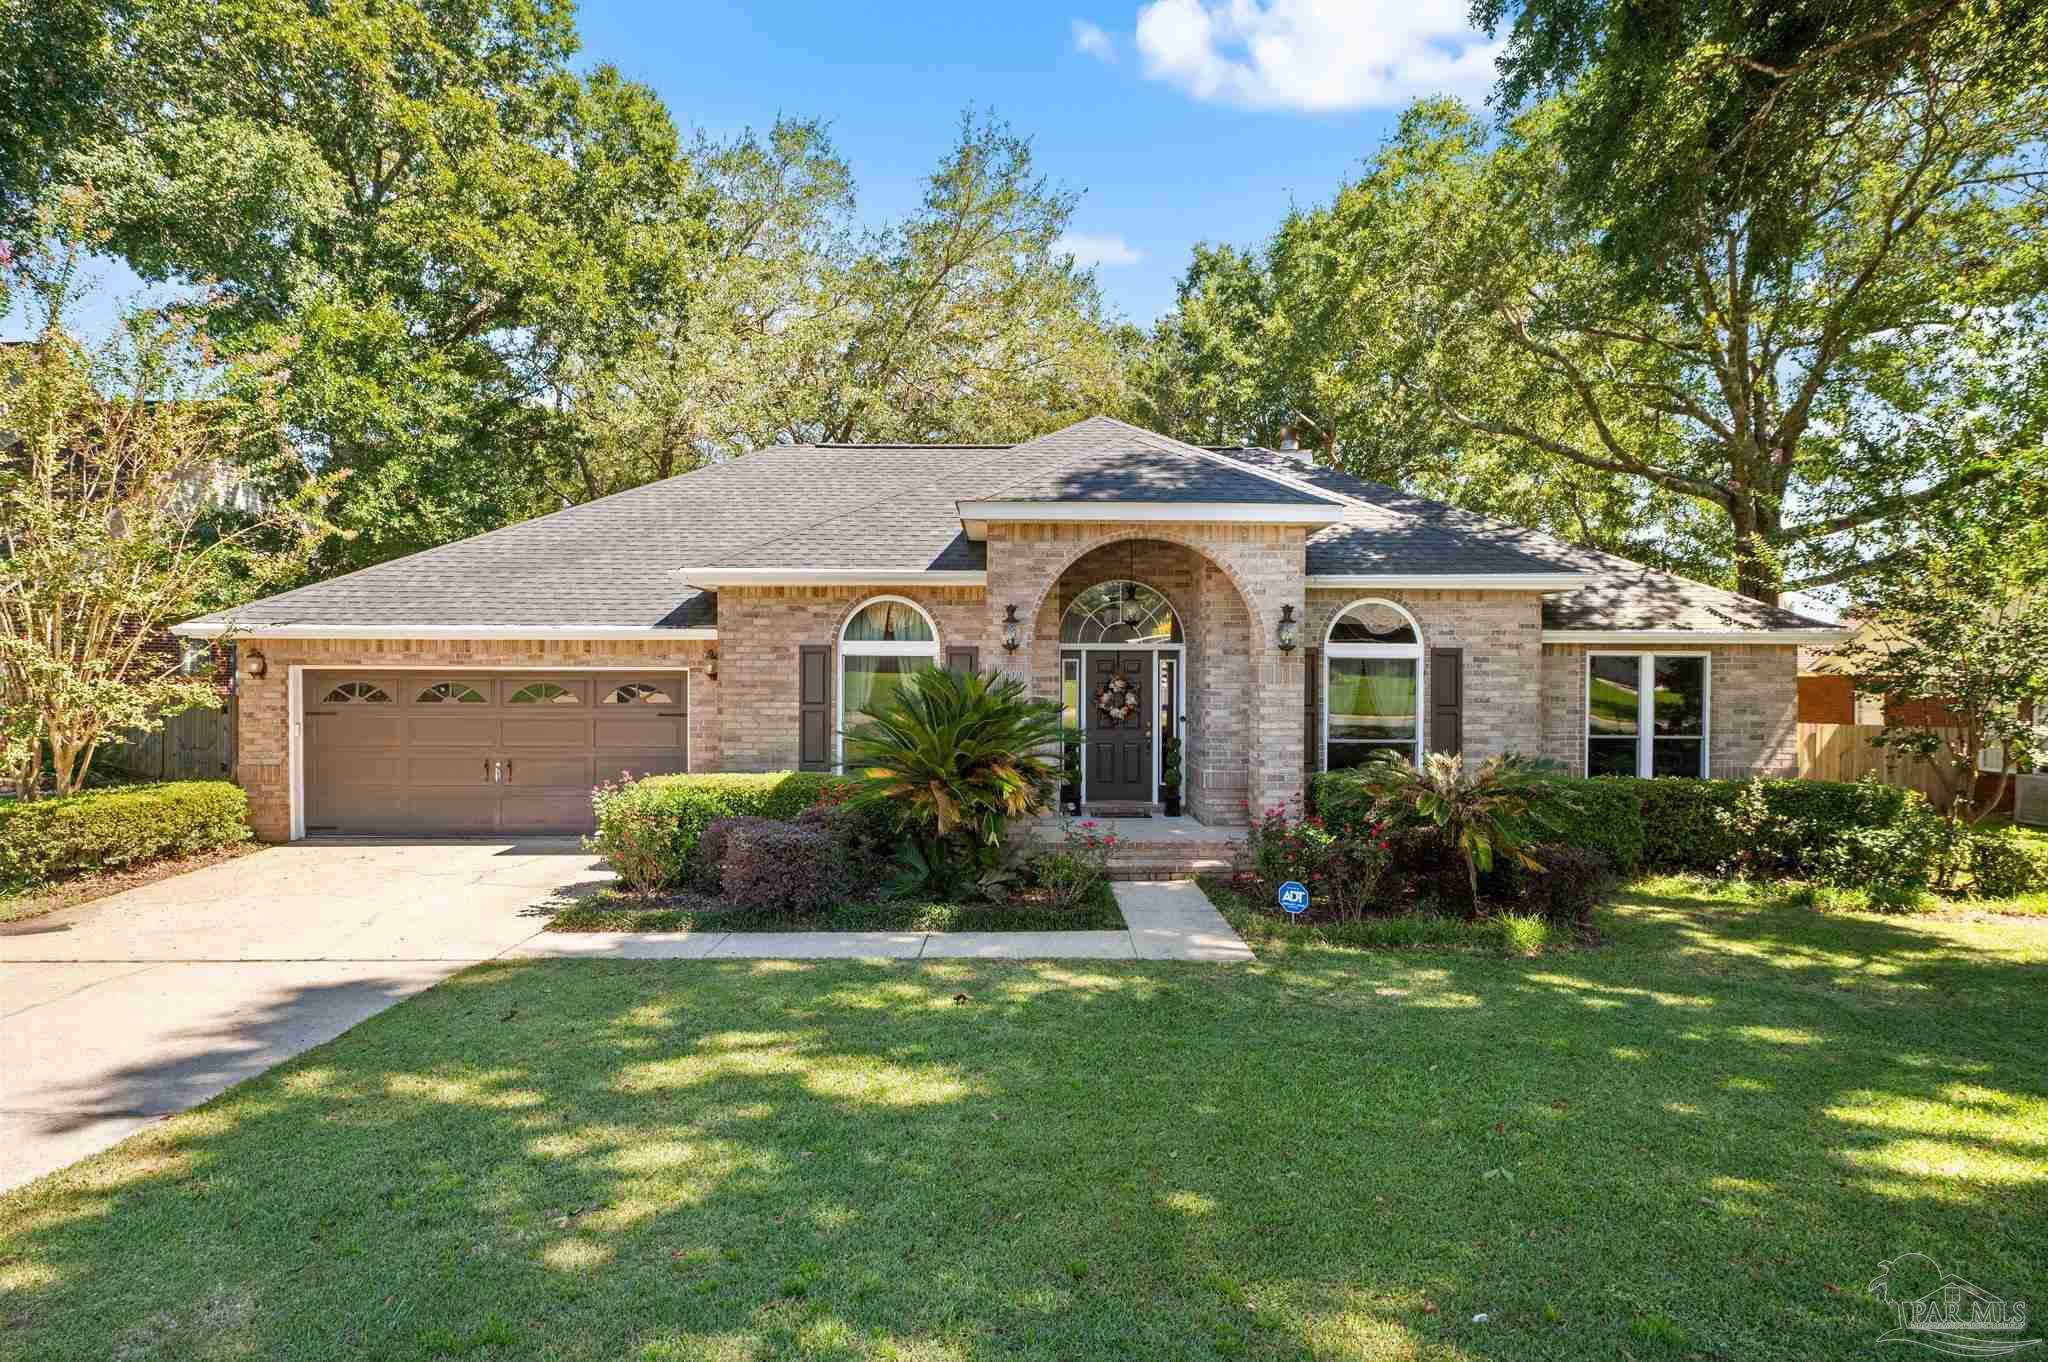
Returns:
(875, 648)
(1417, 650)
(1646, 709)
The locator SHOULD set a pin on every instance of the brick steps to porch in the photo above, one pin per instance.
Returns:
(1159, 848)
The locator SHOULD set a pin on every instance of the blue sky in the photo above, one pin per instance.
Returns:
(1177, 120)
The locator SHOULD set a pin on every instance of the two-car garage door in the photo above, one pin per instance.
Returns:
(466, 754)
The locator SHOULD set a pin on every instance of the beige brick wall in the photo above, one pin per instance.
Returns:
(263, 721)
(1501, 633)
(1229, 582)
(1752, 713)
(760, 630)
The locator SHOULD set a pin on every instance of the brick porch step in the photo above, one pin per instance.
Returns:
(1158, 848)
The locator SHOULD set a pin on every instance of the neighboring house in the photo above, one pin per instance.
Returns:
(1276, 617)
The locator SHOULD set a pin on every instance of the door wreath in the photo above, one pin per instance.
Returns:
(1118, 701)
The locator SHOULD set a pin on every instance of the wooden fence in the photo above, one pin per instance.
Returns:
(1844, 752)
(198, 744)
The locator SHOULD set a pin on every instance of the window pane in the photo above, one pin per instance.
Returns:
(1070, 692)
(1612, 701)
(1611, 757)
(1681, 695)
(1166, 698)
(872, 680)
(1120, 612)
(1372, 623)
(1345, 755)
(1372, 699)
(888, 622)
(1676, 756)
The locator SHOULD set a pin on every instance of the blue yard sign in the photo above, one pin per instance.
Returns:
(1294, 897)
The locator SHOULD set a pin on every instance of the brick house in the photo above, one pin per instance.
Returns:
(1273, 617)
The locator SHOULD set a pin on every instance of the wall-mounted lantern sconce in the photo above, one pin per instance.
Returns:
(1290, 631)
(711, 665)
(255, 663)
(1013, 630)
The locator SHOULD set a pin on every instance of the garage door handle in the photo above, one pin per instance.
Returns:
(487, 770)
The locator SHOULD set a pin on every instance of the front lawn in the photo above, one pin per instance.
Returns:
(1700, 1139)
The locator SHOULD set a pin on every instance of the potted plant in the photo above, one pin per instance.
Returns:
(1070, 772)
(1169, 777)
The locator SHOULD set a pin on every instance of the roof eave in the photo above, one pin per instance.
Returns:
(1695, 637)
(1453, 581)
(710, 578)
(207, 629)
(976, 516)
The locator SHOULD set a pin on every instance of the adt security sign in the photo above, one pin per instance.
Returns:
(1293, 897)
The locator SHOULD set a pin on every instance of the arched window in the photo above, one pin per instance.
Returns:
(1372, 685)
(882, 646)
(1120, 612)
(449, 692)
(544, 693)
(357, 693)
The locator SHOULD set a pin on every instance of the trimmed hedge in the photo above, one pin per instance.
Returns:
(649, 829)
(52, 839)
(1671, 824)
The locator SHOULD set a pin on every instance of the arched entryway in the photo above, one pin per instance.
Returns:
(1171, 624)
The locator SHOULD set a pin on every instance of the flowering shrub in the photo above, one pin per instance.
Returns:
(1071, 873)
(1345, 876)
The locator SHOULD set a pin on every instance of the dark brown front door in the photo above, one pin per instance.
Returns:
(1120, 748)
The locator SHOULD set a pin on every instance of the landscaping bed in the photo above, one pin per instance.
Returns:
(106, 840)
(1702, 1140)
(1260, 922)
(614, 910)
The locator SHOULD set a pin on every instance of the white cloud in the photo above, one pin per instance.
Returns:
(1092, 40)
(1097, 248)
(1315, 55)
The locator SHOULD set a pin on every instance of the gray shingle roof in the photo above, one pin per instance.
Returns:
(1396, 531)
(612, 563)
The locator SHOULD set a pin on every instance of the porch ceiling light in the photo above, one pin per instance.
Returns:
(1290, 630)
(1013, 630)
(1134, 610)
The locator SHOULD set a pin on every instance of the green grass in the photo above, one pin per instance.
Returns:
(1261, 926)
(612, 910)
(1697, 1140)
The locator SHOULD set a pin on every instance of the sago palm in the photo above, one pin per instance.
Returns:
(1492, 809)
(957, 754)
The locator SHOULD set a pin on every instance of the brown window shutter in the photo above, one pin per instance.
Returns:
(964, 660)
(814, 706)
(1447, 700)
(1312, 709)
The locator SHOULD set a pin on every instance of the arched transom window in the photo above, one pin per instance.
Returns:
(1372, 685)
(883, 645)
(1120, 612)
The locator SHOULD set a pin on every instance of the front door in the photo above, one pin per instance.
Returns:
(1120, 708)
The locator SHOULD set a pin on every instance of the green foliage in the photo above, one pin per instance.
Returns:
(1522, 933)
(1954, 644)
(1563, 890)
(53, 839)
(2003, 866)
(648, 829)
(1072, 873)
(1347, 875)
(1451, 323)
(1684, 823)
(1169, 765)
(1684, 110)
(1493, 809)
(956, 757)
(109, 527)
(1605, 817)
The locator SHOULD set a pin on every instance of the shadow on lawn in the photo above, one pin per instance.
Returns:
(1703, 1140)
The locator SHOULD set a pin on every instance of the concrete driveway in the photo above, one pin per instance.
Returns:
(125, 1010)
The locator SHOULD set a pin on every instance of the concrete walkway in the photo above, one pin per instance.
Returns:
(119, 1012)
(1168, 920)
